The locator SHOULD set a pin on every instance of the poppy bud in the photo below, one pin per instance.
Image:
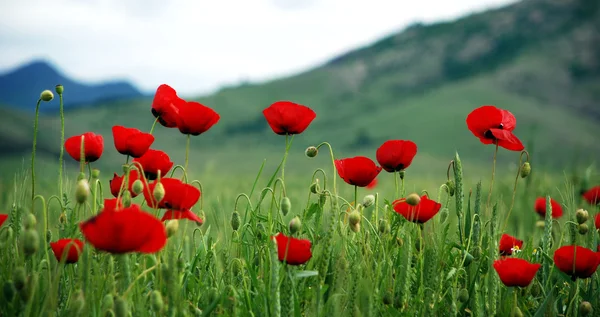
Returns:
(157, 301)
(8, 290)
(295, 225)
(368, 200)
(450, 187)
(108, 302)
(63, 218)
(315, 188)
(540, 224)
(159, 192)
(384, 227)
(31, 241)
(137, 187)
(46, 95)
(20, 278)
(322, 199)
(95, 173)
(126, 199)
(582, 215)
(444, 214)
(413, 199)
(172, 227)
(48, 236)
(286, 205)
(83, 191)
(463, 295)
(121, 307)
(59, 89)
(355, 228)
(585, 309)
(516, 312)
(354, 217)
(80, 176)
(583, 228)
(235, 220)
(311, 151)
(29, 221)
(77, 303)
(401, 173)
(525, 170)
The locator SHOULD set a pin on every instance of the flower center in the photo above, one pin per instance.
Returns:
(488, 134)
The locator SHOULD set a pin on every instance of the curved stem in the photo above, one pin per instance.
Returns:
(35, 130)
(334, 200)
(201, 192)
(154, 124)
(187, 152)
(487, 205)
(45, 215)
(62, 145)
(287, 149)
(514, 193)
(185, 179)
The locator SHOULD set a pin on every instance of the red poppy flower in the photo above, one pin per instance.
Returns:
(515, 271)
(494, 125)
(286, 117)
(124, 230)
(117, 182)
(372, 184)
(131, 141)
(165, 106)
(507, 243)
(179, 199)
(195, 118)
(540, 207)
(3, 218)
(593, 196)
(576, 261)
(74, 249)
(153, 161)
(421, 213)
(358, 171)
(396, 155)
(92, 148)
(298, 250)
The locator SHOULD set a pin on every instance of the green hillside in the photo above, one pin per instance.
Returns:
(539, 59)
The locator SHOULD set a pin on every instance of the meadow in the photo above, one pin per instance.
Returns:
(306, 232)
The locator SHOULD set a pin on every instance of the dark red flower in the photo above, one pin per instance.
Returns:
(515, 271)
(372, 184)
(153, 161)
(71, 248)
(298, 250)
(195, 118)
(540, 207)
(396, 155)
(131, 141)
(358, 171)
(3, 218)
(507, 243)
(124, 230)
(494, 125)
(179, 199)
(421, 213)
(593, 196)
(576, 261)
(286, 117)
(117, 182)
(165, 106)
(92, 148)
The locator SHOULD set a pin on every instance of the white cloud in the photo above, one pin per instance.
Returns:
(196, 46)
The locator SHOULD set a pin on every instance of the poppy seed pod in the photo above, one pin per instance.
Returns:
(585, 309)
(30, 221)
(137, 187)
(46, 95)
(286, 205)
(31, 241)
(59, 89)
(413, 199)
(354, 217)
(295, 225)
(82, 192)
(172, 227)
(311, 151)
(583, 228)
(525, 169)
(235, 220)
(159, 192)
(368, 200)
(582, 216)
(156, 300)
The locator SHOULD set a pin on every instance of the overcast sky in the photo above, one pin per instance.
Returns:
(199, 45)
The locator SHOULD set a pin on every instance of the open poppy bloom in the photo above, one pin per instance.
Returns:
(494, 126)
(131, 141)
(123, 230)
(515, 271)
(179, 199)
(540, 207)
(153, 161)
(69, 249)
(195, 118)
(372, 184)
(165, 106)
(576, 261)
(286, 117)
(117, 182)
(93, 146)
(592, 196)
(421, 213)
(358, 171)
(3, 218)
(298, 250)
(508, 243)
(396, 155)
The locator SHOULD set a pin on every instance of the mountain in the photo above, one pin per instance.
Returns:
(20, 88)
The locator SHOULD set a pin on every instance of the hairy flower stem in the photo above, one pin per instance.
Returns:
(355, 196)
(154, 125)
(187, 152)
(62, 146)
(514, 193)
(335, 202)
(487, 205)
(287, 150)
(396, 183)
(35, 130)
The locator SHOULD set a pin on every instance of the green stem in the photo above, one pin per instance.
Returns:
(355, 195)
(396, 183)
(285, 157)
(512, 202)
(487, 205)
(154, 125)
(62, 146)
(187, 153)
(35, 130)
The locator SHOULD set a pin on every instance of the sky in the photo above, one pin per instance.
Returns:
(197, 46)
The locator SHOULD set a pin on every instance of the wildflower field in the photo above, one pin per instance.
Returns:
(357, 237)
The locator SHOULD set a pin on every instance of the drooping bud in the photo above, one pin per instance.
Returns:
(126, 199)
(450, 187)
(46, 95)
(311, 151)
(172, 227)
(235, 220)
(20, 278)
(137, 187)
(384, 227)
(582, 215)
(121, 307)
(413, 199)
(444, 214)
(62, 219)
(295, 225)
(286, 205)
(354, 217)
(322, 199)
(368, 200)
(59, 89)
(315, 188)
(463, 295)
(31, 241)
(157, 301)
(583, 228)
(83, 191)
(585, 309)
(159, 192)
(30, 221)
(355, 228)
(525, 169)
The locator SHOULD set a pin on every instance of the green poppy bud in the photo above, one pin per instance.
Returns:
(585, 309)
(157, 301)
(137, 187)
(582, 215)
(46, 95)
(121, 307)
(583, 228)
(20, 278)
(286, 205)
(172, 227)
(295, 225)
(30, 221)
(355, 227)
(463, 295)
(413, 199)
(82, 191)
(31, 241)
(450, 187)
(525, 170)
(354, 217)
(95, 173)
(368, 200)
(59, 89)
(108, 302)
(159, 192)
(311, 151)
(235, 220)
(8, 290)
(315, 188)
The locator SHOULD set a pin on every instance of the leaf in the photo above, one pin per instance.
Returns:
(312, 210)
